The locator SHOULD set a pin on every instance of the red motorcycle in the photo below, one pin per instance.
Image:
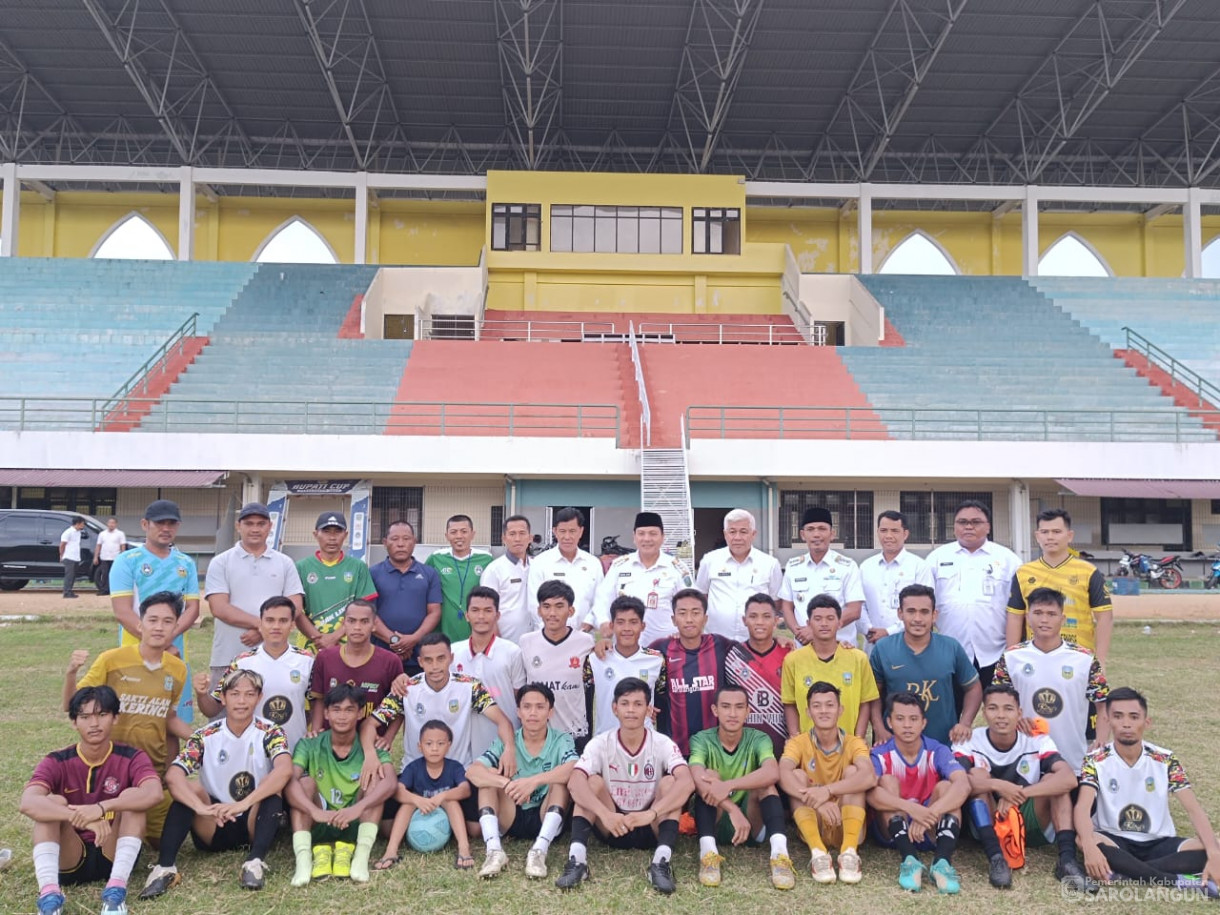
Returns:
(1166, 571)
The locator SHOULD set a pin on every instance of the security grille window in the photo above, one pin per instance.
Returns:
(1171, 516)
(87, 501)
(852, 513)
(930, 514)
(452, 327)
(716, 230)
(497, 525)
(396, 503)
(516, 226)
(588, 229)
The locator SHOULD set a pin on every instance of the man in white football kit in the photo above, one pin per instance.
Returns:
(568, 563)
(630, 785)
(624, 658)
(555, 655)
(494, 661)
(649, 574)
(508, 576)
(820, 571)
(732, 574)
(1131, 834)
(883, 575)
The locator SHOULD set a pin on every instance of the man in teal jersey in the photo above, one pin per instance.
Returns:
(332, 580)
(735, 774)
(460, 569)
(157, 565)
(325, 800)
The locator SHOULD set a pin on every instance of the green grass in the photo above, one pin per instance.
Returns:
(1175, 667)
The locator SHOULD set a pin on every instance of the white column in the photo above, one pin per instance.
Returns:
(186, 214)
(362, 218)
(864, 222)
(10, 212)
(1029, 232)
(1192, 234)
(1018, 513)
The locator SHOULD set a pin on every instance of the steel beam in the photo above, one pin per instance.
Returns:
(529, 39)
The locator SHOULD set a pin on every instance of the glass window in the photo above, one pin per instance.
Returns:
(671, 230)
(515, 226)
(396, 503)
(616, 230)
(86, 500)
(716, 230)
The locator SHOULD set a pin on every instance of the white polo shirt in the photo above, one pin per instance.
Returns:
(882, 581)
(655, 585)
(729, 583)
(972, 592)
(248, 580)
(71, 540)
(510, 579)
(835, 574)
(110, 543)
(583, 573)
(502, 671)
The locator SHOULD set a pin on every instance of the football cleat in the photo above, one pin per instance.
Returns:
(849, 867)
(783, 874)
(999, 873)
(661, 876)
(160, 881)
(341, 864)
(709, 869)
(535, 863)
(945, 875)
(323, 862)
(253, 874)
(493, 863)
(821, 868)
(114, 900)
(574, 874)
(910, 874)
(51, 904)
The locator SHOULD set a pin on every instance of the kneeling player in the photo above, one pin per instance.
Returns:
(735, 772)
(917, 804)
(632, 782)
(95, 836)
(1011, 770)
(243, 764)
(826, 772)
(326, 802)
(515, 805)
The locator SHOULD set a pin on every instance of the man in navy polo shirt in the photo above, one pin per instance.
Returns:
(408, 596)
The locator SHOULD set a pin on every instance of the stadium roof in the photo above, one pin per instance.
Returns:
(1067, 92)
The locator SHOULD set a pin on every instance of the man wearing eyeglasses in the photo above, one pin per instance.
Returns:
(972, 577)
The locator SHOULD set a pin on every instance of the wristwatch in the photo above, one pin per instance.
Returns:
(395, 639)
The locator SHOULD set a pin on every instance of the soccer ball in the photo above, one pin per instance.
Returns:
(429, 831)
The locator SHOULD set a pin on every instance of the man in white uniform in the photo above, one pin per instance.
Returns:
(110, 543)
(820, 571)
(568, 563)
(649, 574)
(509, 576)
(886, 573)
(732, 574)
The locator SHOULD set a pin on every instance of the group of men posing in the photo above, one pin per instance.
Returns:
(639, 700)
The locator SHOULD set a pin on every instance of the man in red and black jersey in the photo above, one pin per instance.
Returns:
(695, 669)
(757, 665)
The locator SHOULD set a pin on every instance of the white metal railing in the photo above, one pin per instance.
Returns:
(532, 330)
(645, 410)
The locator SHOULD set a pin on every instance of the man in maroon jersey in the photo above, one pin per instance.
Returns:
(358, 663)
(757, 664)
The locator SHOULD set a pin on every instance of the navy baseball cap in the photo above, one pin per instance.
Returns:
(331, 519)
(250, 509)
(162, 510)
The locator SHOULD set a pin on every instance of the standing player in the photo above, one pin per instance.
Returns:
(628, 787)
(326, 802)
(1058, 681)
(820, 571)
(917, 804)
(530, 803)
(694, 670)
(757, 664)
(1009, 769)
(567, 562)
(494, 661)
(651, 575)
(827, 772)
(730, 575)
(930, 665)
(735, 772)
(825, 659)
(1122, 813)
(556, 656)
(331, 581)
(460, 569)
(883, 575)
(509, 576)
(243, 764)
(357, 662)
(88, 803)
(157, 565)
(149, 682)
(624, 657)
(286, 672)
(1088, 613)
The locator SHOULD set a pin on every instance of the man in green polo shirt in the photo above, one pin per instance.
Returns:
(460, 568)
(332, 580)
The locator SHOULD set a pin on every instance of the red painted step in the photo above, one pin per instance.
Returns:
(159, 379)
(350, 328)
(1183, 396)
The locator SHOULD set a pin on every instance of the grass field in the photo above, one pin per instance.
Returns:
(1175, 666)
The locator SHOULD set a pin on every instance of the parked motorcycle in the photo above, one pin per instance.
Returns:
(1211, 571)
(611, 549)
(1166, 571)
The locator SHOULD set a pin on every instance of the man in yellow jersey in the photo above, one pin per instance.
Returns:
(1088, 615)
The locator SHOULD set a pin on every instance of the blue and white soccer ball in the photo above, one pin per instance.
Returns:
(429, 832)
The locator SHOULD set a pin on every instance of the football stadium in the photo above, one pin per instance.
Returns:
(674, 265)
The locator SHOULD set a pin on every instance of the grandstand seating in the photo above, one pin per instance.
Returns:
(978, 347)
(1177, 315)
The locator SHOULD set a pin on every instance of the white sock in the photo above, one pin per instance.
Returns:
(126, 850)
(552, 825)
(490, 825)
(663, 853)
(707, 844)
(578, 851)
(779, 845)
(46, 864)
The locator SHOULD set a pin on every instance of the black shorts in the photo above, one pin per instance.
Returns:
(94, 867)
(234, 834)
(1147, 851)
(527, 823)
(641, 837)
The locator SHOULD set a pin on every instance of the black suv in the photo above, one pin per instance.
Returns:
(29, 545)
